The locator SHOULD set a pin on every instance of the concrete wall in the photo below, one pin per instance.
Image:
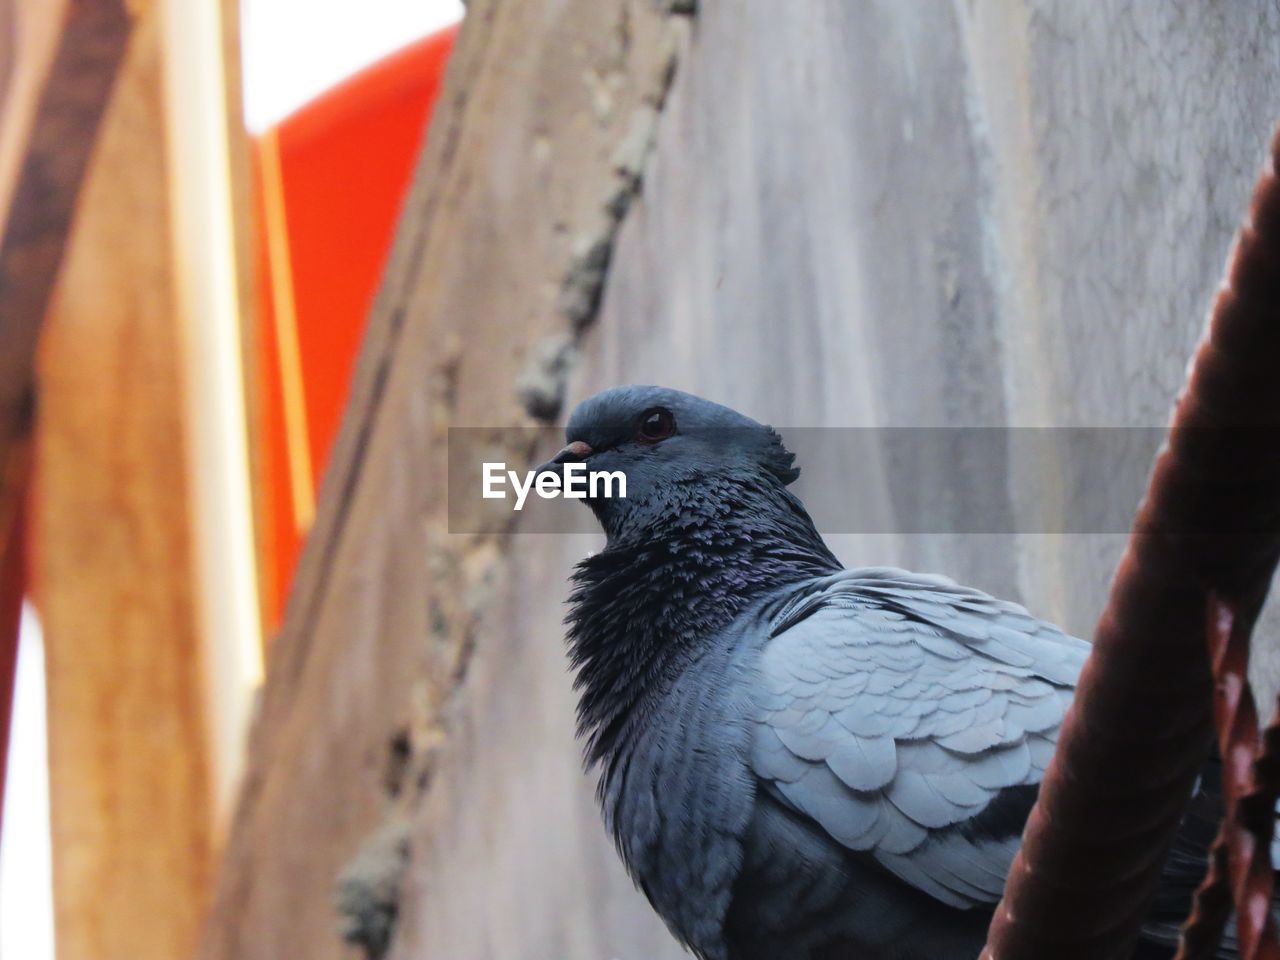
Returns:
(852, 214)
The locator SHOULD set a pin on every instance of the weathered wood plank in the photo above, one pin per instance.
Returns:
(47, 131)
(128, 746)
(247, 261)
(8, 44)
(207, 260)
(30, 31)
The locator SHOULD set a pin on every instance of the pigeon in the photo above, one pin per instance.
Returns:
(799, 761)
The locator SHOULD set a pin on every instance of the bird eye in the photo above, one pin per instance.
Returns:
(656, 424)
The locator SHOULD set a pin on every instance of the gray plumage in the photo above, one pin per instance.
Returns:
(797, 760)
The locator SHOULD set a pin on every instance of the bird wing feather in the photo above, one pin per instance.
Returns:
(912, 718)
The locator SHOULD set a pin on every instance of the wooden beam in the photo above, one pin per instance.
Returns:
(203, 123)
(30, 31)
(47, 133)
(8, 44)
(240, 167)
(130, 784)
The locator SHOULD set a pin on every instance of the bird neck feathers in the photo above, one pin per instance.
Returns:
(645, 606)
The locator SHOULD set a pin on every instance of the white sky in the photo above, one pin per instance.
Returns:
(294, 49)
(26, 889)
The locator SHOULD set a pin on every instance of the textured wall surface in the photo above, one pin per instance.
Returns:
(872, 214)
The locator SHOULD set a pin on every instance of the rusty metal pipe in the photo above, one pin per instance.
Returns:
(1206, 539)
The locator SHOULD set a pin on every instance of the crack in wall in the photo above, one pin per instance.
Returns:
(541, 386)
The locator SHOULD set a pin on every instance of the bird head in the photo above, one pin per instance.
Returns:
(667, 444)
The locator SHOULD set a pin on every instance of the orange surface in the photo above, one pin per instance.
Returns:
(331, 178)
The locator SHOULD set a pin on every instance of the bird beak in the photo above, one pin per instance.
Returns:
(575, 452)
